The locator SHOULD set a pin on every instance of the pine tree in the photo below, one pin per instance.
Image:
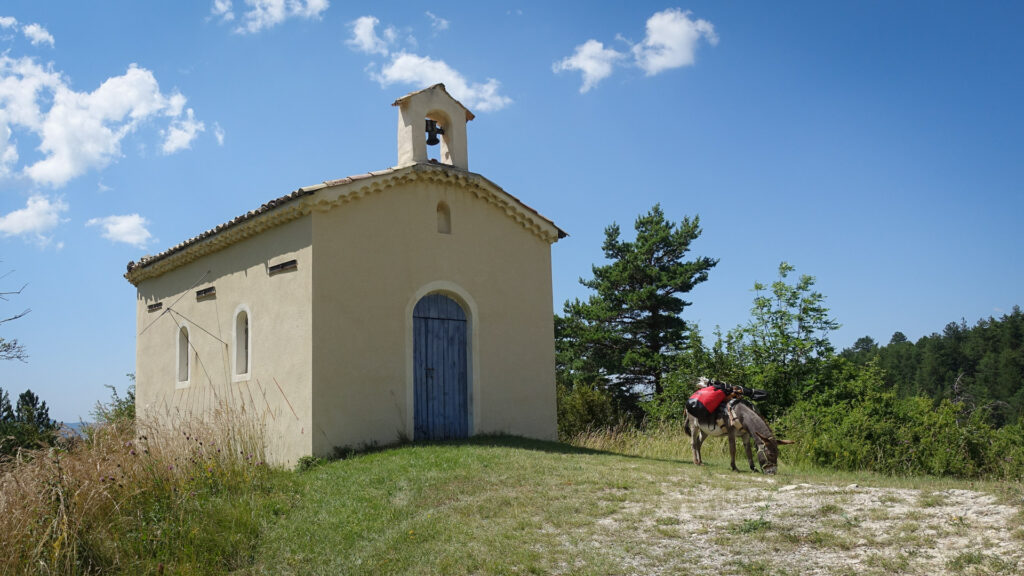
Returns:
(626, 335)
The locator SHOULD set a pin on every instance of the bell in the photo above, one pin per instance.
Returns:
(432, 132)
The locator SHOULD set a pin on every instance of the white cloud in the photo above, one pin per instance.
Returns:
(671, 41)
(365, 39)
(592, 59)
(223, 10)
(421, 71)
(128, 228)
(218, 133)
(309, 9)
(439, 24)
(8, 152)
(8, 21)
(35, 220)
(182, 131)
(80, 131)
(263, 14)
(37, 34)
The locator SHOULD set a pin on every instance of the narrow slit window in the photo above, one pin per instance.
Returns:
(183, 355)
(206, 293)
(284, 267)
(242, 343)
(154, 307)
(444, 218)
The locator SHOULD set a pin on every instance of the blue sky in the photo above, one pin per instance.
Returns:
(878, 146)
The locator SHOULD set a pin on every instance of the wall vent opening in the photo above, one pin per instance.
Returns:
(206, 293)
(284, 267)
(154, 307)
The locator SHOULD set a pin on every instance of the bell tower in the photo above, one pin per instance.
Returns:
(432, 116)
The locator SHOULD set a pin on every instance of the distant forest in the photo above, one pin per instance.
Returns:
(981, 366)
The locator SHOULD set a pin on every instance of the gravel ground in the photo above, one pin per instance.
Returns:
(762, 526)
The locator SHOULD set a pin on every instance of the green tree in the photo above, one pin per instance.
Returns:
(862, 351)
(6, 410)
(27, 425)
(625, 336)
(786, 346)
(721, 361)
(898, 337)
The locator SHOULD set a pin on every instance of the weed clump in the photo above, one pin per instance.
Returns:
(137, 497)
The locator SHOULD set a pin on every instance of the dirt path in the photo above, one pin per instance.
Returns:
(766, 527)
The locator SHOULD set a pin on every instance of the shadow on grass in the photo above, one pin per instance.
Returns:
(496, 441)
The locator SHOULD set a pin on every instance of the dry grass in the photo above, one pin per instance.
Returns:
(660, 440)
(91, 504)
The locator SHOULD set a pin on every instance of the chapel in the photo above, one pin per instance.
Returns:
(410, 303)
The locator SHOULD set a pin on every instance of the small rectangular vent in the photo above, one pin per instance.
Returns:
(206, 293)
(154, 307)
(284, 267)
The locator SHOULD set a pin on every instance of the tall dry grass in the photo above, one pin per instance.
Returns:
(652, 439)
(118, 499)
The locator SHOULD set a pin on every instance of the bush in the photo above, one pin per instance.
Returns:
(582, 407)
(861, 424)
(118, 409)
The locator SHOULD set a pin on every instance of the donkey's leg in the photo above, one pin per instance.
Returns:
(696, 439)
(750, 455)
(732, 449)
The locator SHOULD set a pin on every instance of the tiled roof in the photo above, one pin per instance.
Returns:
(399, 101)
(281, 201)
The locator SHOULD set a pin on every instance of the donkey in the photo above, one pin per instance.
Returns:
(732, 418)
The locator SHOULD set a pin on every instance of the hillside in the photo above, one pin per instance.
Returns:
(509, 506)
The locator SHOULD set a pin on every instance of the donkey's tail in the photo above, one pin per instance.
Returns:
(686, 427)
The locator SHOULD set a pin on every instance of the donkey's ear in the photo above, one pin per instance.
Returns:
(763, 438)
(787, 441)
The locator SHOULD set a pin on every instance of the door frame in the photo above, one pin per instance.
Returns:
(462, 297)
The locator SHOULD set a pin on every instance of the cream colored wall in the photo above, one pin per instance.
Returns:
(280, 308)
(437, 105)
(373, 258)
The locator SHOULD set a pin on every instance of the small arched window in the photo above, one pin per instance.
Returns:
(242, 344)
(444, 218)
(183, 356)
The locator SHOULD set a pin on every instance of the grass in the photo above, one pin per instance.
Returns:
(620, 501)
(125, 499)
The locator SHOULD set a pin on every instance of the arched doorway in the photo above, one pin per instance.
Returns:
(440, 379)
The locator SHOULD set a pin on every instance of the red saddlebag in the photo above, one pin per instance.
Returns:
(705, 401)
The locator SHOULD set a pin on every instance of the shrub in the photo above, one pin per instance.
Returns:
(581, 407)
(861, 424)
(118, 409)
(308, 462)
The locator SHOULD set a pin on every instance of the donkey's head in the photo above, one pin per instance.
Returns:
(768, 451)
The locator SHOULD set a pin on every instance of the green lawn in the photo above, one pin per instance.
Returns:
(513, 506)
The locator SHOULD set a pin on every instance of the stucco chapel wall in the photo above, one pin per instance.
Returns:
(277, 390)
(374, 257)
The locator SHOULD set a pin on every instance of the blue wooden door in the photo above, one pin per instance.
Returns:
(440, 383)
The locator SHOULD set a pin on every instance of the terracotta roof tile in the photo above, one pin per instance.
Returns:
(304, 191)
